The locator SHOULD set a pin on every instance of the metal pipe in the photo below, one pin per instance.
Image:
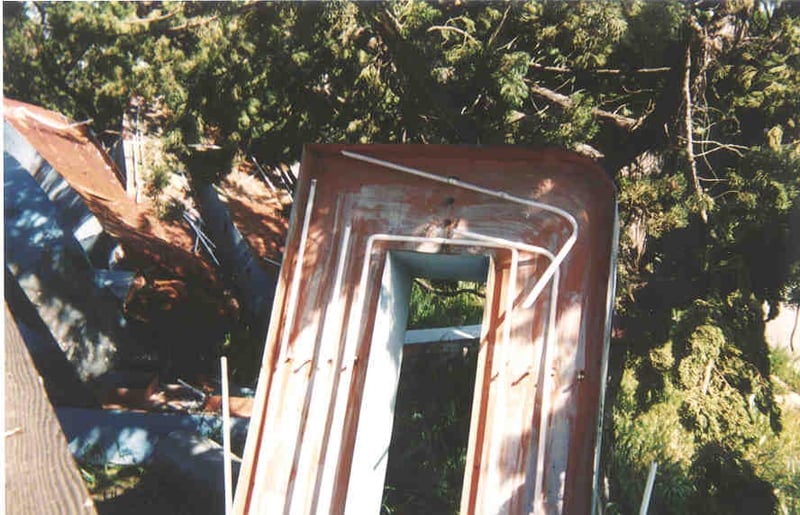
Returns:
(298, 266)
(202, 238)
(263, 174)
(560, 256)
(648, 489)
(226, 435)
(272, 262)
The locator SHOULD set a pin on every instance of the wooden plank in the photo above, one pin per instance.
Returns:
(41, 475)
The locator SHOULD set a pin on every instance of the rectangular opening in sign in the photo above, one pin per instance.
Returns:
(432, 413)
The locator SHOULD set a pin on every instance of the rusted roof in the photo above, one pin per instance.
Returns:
(157, 247)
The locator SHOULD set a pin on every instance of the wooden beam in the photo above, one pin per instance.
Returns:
(41, 475)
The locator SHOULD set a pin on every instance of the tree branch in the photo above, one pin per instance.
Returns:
(623, 122)
(150, 19)
(600, 71)
(589, 151)
(497, 30)
(736, 149)
(190, 24)
(443, 28)
(445, 293)
(687, 98)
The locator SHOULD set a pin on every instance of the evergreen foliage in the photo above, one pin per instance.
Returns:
(692, 108)
(445, 304)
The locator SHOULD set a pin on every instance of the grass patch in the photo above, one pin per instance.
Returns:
(109, 481)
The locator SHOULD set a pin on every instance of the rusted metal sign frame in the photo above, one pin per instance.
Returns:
(316, 479)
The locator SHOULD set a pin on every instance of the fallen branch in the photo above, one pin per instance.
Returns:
(190, 24)
(623, 122)
(151, 19)
(589, 151)
(497, 30)
(601, 71)
(687, 98)
(431, 289)
(707, 376)
(443, 28)
(736, 149)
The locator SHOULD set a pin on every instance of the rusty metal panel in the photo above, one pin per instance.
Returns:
(545, 219)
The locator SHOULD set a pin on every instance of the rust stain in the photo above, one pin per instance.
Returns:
(256, 211)
(303, 454)
(158, 248)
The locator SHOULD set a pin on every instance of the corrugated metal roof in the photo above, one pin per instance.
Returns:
(73, 153)
(161, 248)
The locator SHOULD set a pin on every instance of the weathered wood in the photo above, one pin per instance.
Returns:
(41, 476)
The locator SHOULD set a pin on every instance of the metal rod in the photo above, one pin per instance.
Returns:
(285, 179)
(298, 266)
(263, 174)
(200, 393)
(289, 175)
(272, 262)
(504, 243)
(200, 234)
(207, 243)
(560, 256)
(612, 281)
(648, 489)
(226, 435)
(546, 353)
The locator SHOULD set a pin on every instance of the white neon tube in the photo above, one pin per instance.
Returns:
(478, 240)
(333, 314)
(560, 256)
(547, 353)
(348, 355)
(298, 266)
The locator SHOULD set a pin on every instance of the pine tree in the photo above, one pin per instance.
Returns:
(690, 107)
